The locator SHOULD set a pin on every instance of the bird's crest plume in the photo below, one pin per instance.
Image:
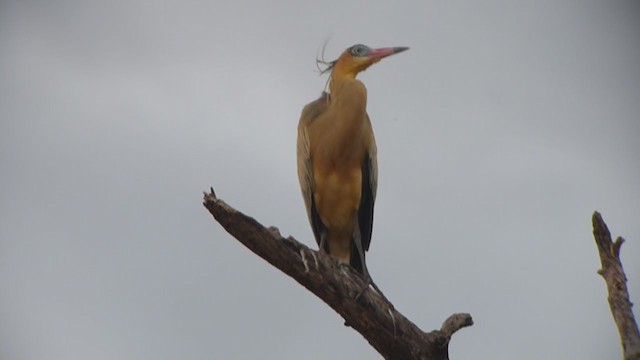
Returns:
(323, 65)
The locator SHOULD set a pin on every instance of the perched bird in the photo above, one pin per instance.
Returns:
(337, 159)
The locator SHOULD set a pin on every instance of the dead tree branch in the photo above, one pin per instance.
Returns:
(616, 280)
(388, 331)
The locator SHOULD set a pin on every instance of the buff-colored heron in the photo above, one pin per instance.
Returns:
(337, 160)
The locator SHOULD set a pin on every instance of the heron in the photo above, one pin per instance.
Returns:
(337, 160)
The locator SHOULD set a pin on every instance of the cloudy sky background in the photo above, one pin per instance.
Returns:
(499, 133)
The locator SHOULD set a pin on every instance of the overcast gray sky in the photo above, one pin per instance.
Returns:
(499, 133)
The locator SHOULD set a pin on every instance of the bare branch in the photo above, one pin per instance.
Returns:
(616, 280)
(456, 322)
(388, 331)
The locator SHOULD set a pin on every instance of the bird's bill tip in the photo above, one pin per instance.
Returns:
(399, 49)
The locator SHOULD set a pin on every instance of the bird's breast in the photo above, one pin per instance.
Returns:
(337, 196)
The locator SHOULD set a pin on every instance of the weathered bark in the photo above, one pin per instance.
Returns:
(388, 331)
(616, 280)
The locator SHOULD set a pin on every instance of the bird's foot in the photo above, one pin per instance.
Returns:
(369, 282)
(363, 289)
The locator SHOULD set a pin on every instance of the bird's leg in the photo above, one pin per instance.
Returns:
(357, 239)
(323, 241)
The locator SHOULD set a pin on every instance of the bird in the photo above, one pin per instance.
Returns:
(337, 159)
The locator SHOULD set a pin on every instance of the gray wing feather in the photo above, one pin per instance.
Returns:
(369, 189)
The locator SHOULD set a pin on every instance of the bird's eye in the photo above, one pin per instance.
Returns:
(358, 50)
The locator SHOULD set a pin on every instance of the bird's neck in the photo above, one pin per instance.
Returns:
(338, 81)
(341, 73)
(348, 95)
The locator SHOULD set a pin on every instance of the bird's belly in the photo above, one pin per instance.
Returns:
(337, 198)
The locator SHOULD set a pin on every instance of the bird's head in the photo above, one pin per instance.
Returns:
(359, 57)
